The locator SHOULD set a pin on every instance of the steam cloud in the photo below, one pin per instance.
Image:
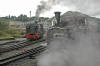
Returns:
(83, 52)
(84, 6)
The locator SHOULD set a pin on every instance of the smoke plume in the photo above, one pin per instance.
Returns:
(45, 6)
(84, 6)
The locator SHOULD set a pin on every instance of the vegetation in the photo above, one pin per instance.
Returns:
(22, 18)
(4, 27)
(6, 32)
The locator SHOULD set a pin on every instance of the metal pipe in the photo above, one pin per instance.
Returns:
(57, 16)
(30, 16)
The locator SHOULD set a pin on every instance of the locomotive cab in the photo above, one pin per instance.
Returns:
(66, 30)
(58, 31)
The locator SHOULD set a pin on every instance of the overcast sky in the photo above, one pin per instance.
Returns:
(17, 7)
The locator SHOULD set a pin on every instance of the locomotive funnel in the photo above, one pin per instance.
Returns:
(57, 16)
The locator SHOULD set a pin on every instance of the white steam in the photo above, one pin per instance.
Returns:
(84, 52)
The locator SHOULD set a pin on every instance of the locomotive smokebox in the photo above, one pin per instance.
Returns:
(57, 16)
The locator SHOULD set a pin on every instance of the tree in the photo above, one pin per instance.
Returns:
(22, 18)
(13, 17)
(44, 18)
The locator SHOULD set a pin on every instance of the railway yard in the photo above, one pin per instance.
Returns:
(49, 33)
(20, 52)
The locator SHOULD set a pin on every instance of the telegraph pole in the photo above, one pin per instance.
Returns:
(30, 16)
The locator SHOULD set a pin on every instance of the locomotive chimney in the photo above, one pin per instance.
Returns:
(57, 16)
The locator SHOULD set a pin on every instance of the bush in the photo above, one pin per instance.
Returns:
(5, 31)
(2, 33)
(13, 32)
(10, 32)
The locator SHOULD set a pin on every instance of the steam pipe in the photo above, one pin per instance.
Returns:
(57, 16)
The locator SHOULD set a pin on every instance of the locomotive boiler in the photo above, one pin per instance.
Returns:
(34, 31)
(66, 30)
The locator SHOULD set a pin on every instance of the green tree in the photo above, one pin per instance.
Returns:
(44, 18)
(13, 17)
(22, 18)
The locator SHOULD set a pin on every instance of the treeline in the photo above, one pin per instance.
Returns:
(22, 18)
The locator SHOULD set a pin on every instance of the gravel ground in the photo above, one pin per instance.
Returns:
(23, 62)
(26, 61)
(20, 39)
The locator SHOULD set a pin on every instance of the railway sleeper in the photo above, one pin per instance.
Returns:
(21, 55)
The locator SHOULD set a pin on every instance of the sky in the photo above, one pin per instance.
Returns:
(17, 7)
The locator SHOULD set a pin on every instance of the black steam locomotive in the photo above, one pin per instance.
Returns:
(64, 29)
(34, 31)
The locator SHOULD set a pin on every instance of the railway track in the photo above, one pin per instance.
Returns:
(8, 42)
(24, 62)
(27, 53)
(20, 45)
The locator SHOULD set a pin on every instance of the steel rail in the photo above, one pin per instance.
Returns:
(27, 53)
(20, 45)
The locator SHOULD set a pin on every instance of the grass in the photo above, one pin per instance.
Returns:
(4, 37)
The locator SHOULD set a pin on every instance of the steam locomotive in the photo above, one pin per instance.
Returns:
(34, 31)
(66, 30)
